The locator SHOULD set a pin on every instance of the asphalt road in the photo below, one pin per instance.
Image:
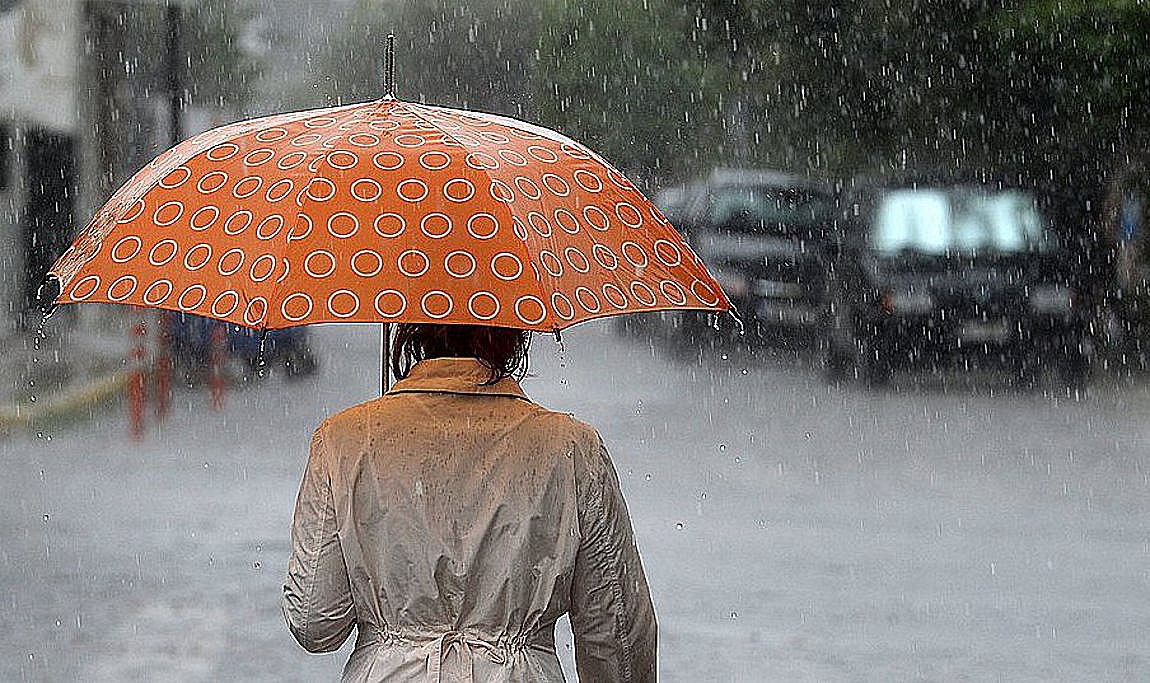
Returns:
(942, 529)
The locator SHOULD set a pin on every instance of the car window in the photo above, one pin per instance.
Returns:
(943, 221)
(783, 212)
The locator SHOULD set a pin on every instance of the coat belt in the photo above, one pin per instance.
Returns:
(466, 646)
(436, 648)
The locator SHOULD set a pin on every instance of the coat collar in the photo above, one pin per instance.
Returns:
(455, 376)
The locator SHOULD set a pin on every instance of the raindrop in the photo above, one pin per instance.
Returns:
(647, 476)
(46, 518)
(256, 565)
(722, 447)
(679, 526)
(734, 615)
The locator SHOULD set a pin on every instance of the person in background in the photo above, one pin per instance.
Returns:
(452, 521)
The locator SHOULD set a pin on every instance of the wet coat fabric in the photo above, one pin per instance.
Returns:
(451, 523)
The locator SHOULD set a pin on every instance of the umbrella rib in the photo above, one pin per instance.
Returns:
(276, 288)
(523, 252)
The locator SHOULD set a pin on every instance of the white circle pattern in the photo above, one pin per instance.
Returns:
(477, 232)
(134, 245)
(357, 263)
(343, 224)
(126, 283)
(196, 223)
(373, 190)
(149, 296)
(484, 296)
(436, 225)
(221, 312)
(420, 190)
(457, 257)
(235, 261)
(388, 313)
(343, 303)
(502, 273)
(246, 216)
(163, 259)
(400, 221)
(437, 296)
(417, 271)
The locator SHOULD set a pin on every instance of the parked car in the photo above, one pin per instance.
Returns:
(931, 275)
(763, 234)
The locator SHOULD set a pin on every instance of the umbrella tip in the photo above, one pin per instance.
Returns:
(389, 69)
(734, 313)
(47, 293)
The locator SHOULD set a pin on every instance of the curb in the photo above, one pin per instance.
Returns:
(65, 403)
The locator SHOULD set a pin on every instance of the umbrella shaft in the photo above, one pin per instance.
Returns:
(384, 357)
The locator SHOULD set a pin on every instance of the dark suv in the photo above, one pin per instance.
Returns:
(763, 235)
(931, 275)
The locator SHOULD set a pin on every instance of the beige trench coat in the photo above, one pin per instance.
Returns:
(451, 523)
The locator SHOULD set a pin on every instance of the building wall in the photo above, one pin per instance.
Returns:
(39, 56)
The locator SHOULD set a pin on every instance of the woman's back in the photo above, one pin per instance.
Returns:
(467, 520)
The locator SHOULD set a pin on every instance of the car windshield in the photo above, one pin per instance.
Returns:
(939, 222)
(778, 211)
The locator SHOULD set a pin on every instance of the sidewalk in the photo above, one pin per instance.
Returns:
(66, 371)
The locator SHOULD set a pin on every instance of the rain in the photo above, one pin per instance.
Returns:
(917, 449)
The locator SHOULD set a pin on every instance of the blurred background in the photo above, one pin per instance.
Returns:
(921, 452)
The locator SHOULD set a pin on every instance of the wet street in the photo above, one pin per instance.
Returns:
(950, 529)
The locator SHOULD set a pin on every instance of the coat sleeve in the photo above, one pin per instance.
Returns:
(612, 617)
(317, 602)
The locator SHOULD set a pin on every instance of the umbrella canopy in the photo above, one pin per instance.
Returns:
(384, 211)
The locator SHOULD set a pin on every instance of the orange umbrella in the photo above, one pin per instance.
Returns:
(384, 211)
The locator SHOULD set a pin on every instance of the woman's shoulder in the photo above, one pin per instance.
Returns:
(564, 423)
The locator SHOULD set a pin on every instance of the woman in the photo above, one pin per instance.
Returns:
(452, 521)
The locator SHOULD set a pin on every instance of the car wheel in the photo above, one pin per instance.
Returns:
(1074, 369)
(299, 364)
(837, 363)
(875, 366)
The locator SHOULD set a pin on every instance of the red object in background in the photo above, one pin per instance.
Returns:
(137, 382)
(163, 367)
(216, 380)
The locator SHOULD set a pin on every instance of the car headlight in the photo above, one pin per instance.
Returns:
(735, 284)
(1051, 299)
(906, 302)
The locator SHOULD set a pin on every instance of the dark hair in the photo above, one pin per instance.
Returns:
(502, 349)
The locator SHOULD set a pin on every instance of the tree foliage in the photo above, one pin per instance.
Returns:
(631, 79)
(1038, 91)
(220, 71)
(473, 55)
